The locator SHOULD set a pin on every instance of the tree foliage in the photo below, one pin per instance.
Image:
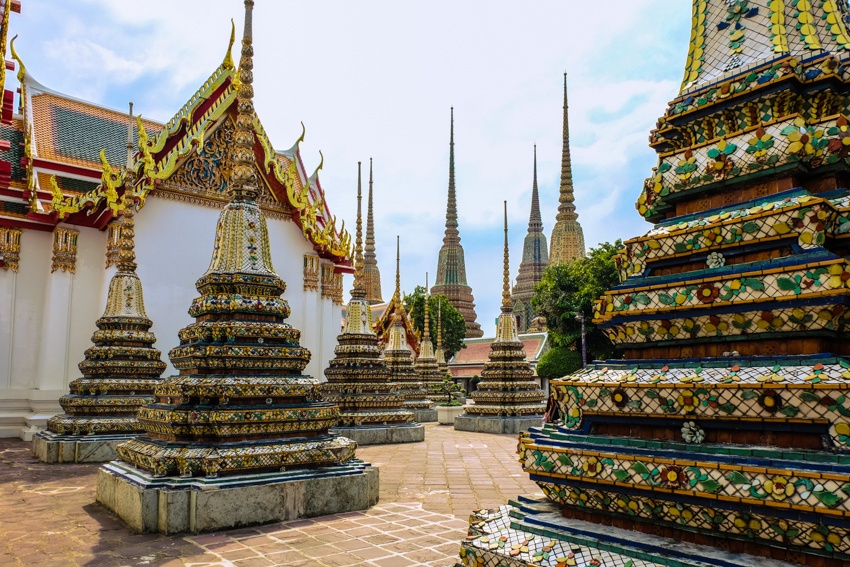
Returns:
(454, 326)
(559, 362)
(568, 289)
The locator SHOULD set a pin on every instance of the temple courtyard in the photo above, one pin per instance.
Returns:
(48, 514)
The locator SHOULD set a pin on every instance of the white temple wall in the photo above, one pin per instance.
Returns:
(47, 319)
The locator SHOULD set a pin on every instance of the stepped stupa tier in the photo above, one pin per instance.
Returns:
(359, 383)
(508, 399)
(426, 363)
(119, 372)
(240, 407)
(535, 260)
(451, 266)
(371, 273)
(400, 357)
(726, 422)
(567, 242)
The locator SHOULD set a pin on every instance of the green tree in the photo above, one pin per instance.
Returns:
(454, 326)
(559, 362)
(568, 289)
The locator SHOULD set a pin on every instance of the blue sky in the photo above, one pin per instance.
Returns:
(376, 79)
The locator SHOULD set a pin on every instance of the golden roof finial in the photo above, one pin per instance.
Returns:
(228, 58)
(243, 177)
(359, 290)
(506, 275)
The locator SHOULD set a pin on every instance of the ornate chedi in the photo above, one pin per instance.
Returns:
(399, 356)
(567, 242)
(240, 415)
(451, 267)
(358, 380)
(535, 259)
(371, 273)
(119, 372)
(508, 400)
(728, 422)
(426, 363)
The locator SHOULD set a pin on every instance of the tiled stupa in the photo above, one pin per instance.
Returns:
(727, 423)
(439, 352)
(451, 266)
(426, 363)
(238, 437)
(535, 260)
(358, 380)
(567, 242)
(400, 358)
(508, 399)
(119, 372)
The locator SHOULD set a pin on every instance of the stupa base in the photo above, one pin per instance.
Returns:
(424, 415)
(481, 424)
(174, 505)
(534, 527)
(49, 447)
(383, 434)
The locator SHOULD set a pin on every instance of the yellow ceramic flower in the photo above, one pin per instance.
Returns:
(591, 466)
(779, 488)
(838, 278)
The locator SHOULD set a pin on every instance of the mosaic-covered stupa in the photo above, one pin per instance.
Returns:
(358, 380)
(727, 425)
(439, 352)
(535, 260)
(508, 399)
(119, 372)
(371, 273)
(240, 415)
(426, 363)
(400, 358)
(451, 266)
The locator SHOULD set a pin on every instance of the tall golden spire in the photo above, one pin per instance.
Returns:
(507, 307)
(126, 234)
(567, 242)
(426, 335)
(372, 275)
(359, 291)
(243, 177)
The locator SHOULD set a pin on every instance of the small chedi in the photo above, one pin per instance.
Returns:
(439, 352)
(727, 426)
(399, 356)
(237, 438)
(426, 363)
(119, 372)
(508, 399)
(358, 380)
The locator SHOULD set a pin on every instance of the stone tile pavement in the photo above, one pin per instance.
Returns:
(48, 515)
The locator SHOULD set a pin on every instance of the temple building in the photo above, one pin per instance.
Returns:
(240, 425)
(61, 160)
(358, 380)
(725, 424)
(508, 399)
(371, 273)
(567, 242)
(535, 259)
(451, 267)
(119, 372)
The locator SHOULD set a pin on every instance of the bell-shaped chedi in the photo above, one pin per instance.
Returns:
(400, 357)
(240, 416)
(508, 399)
(119, 372)
(359, 383)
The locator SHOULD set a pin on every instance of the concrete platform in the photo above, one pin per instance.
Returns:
(512, 425)
(49, 447)
(425, 415)
(409, 433)
(176, 505)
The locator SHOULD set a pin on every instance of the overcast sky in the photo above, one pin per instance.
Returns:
(377, 78)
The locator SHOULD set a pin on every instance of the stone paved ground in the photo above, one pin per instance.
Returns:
(48, 515)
